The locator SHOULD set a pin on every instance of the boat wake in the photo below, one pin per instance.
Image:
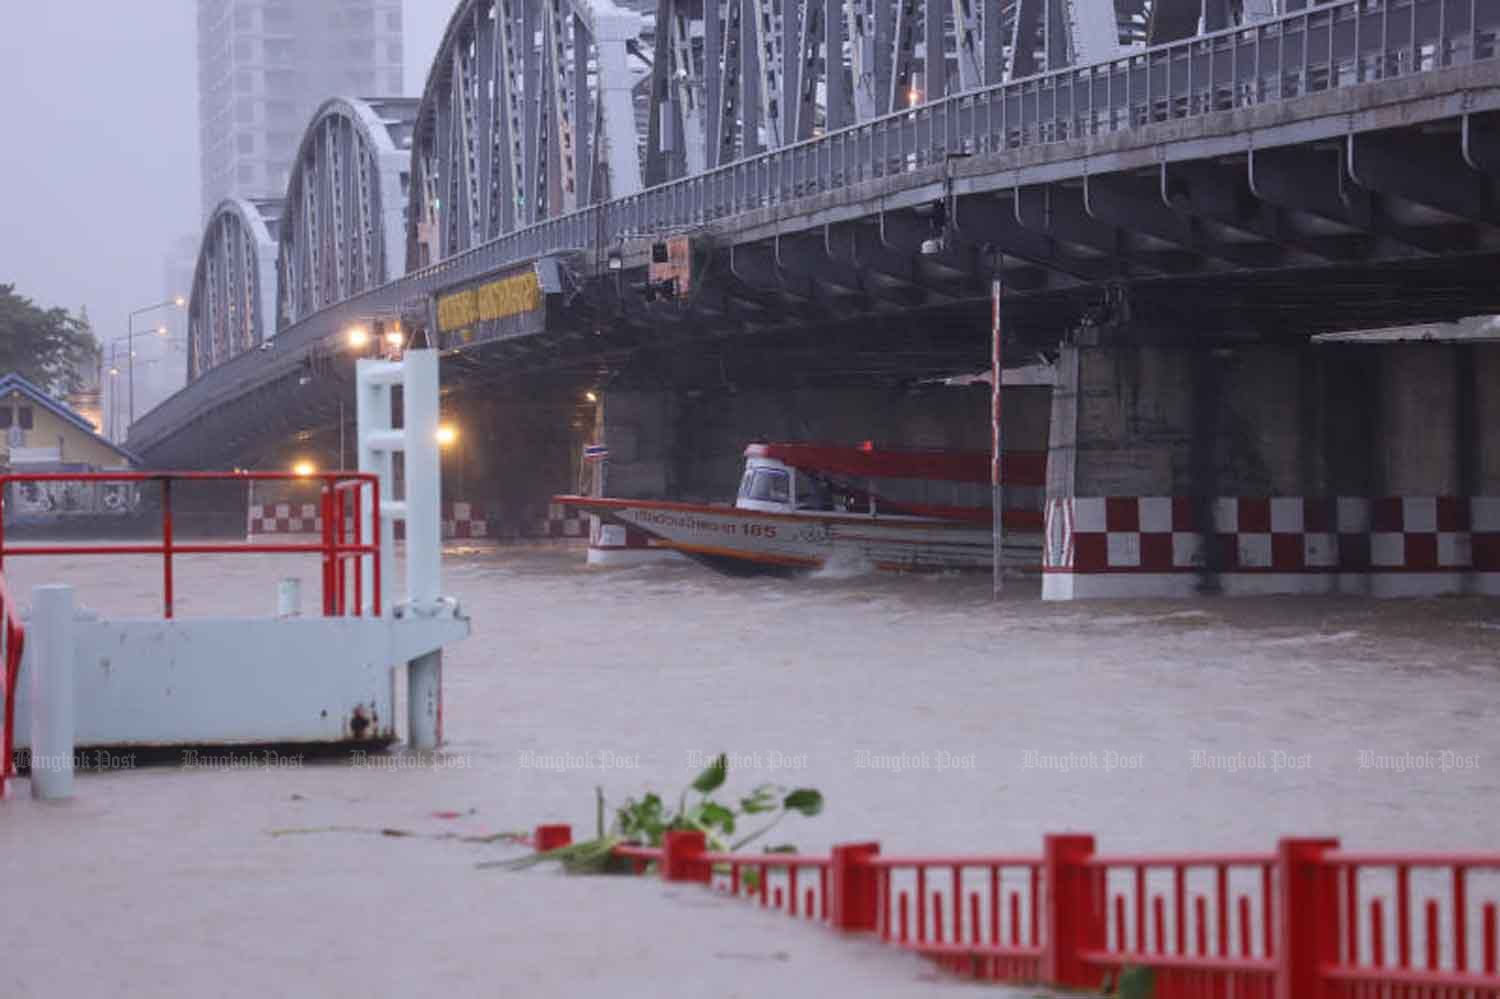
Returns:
(844, 563)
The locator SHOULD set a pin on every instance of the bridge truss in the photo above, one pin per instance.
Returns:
(341, 230)
(234, 283)
(1337, 163)
(533, 110)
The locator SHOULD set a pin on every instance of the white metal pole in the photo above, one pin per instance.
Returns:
(51, 648)
(424, 701)
(372, 414)
(424, 537)
(289, 597)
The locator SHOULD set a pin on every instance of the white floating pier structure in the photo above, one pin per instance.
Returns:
(279, 680)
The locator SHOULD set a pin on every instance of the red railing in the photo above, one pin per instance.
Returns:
(1445, 952)
(974, 915)
(1308, 921)
(341, 509)
(1221, 944)
(12, 644)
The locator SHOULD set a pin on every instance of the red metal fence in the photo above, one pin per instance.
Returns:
(342, 508)
(1309, 921)
(12, 644)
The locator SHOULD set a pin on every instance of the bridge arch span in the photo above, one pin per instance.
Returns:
(342, 229)
(512, 132)
(232, 305)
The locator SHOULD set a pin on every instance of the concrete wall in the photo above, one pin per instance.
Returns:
(1486, 374)
(1407, 419)
(1161, 421)
(1417, 451)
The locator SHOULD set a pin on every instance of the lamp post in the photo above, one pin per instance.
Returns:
(177, 302)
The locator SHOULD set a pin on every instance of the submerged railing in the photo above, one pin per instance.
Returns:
(1307, 921)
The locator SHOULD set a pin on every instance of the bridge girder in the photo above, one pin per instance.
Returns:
(232, 305)
(341, 230)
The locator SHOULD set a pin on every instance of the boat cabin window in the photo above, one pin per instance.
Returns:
(813, 493)
(769, 485)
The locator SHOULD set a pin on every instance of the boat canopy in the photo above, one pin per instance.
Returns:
(940, 465)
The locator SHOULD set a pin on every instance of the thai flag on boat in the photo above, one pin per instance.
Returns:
(595, 452)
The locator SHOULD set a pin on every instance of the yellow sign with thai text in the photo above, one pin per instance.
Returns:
(508, 296)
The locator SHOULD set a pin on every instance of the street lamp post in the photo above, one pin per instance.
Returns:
(175, 302)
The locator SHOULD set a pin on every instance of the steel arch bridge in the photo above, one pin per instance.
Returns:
(534, 109)
(1315, 160)
(511, 133)
(342, 230)
(234, 283)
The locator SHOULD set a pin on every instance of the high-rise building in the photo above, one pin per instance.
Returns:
(264, 66)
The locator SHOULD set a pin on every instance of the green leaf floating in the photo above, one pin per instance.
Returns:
(805, 800)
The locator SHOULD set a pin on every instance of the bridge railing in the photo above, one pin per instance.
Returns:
(1308, 920)
(1322, 48)
(344, 545)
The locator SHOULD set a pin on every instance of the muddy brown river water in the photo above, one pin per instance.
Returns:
(932, 719)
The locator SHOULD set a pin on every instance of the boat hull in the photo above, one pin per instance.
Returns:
(746, 542)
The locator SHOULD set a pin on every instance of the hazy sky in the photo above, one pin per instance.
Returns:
(99, 167)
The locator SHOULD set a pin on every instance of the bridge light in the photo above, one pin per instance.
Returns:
(179, 301)
(393, 337)
(161, 331)
(358, 337)
(913, 96)
(447, 433)
(304, 469)
(591, 397)
(114, 372)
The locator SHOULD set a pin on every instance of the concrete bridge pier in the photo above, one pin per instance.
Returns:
(1182, 466)
(513, 449)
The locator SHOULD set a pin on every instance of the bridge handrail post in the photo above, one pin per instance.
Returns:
(1307, 917)
(1066, 913)
(50, 648)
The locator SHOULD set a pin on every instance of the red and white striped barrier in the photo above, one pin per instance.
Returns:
(1129, 546)
(459, 520)
(563, 522)
(284, 518)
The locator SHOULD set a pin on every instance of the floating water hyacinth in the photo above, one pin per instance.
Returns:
(645, 821)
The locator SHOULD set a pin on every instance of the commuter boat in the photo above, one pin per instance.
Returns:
(805, 506)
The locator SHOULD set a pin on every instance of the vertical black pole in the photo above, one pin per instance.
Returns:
(997, 478)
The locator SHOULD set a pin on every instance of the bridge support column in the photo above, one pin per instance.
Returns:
(639, 426)
(1179, 468)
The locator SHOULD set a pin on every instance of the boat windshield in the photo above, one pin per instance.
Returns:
(768, 485)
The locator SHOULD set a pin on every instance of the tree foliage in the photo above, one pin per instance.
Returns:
(49, 347)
